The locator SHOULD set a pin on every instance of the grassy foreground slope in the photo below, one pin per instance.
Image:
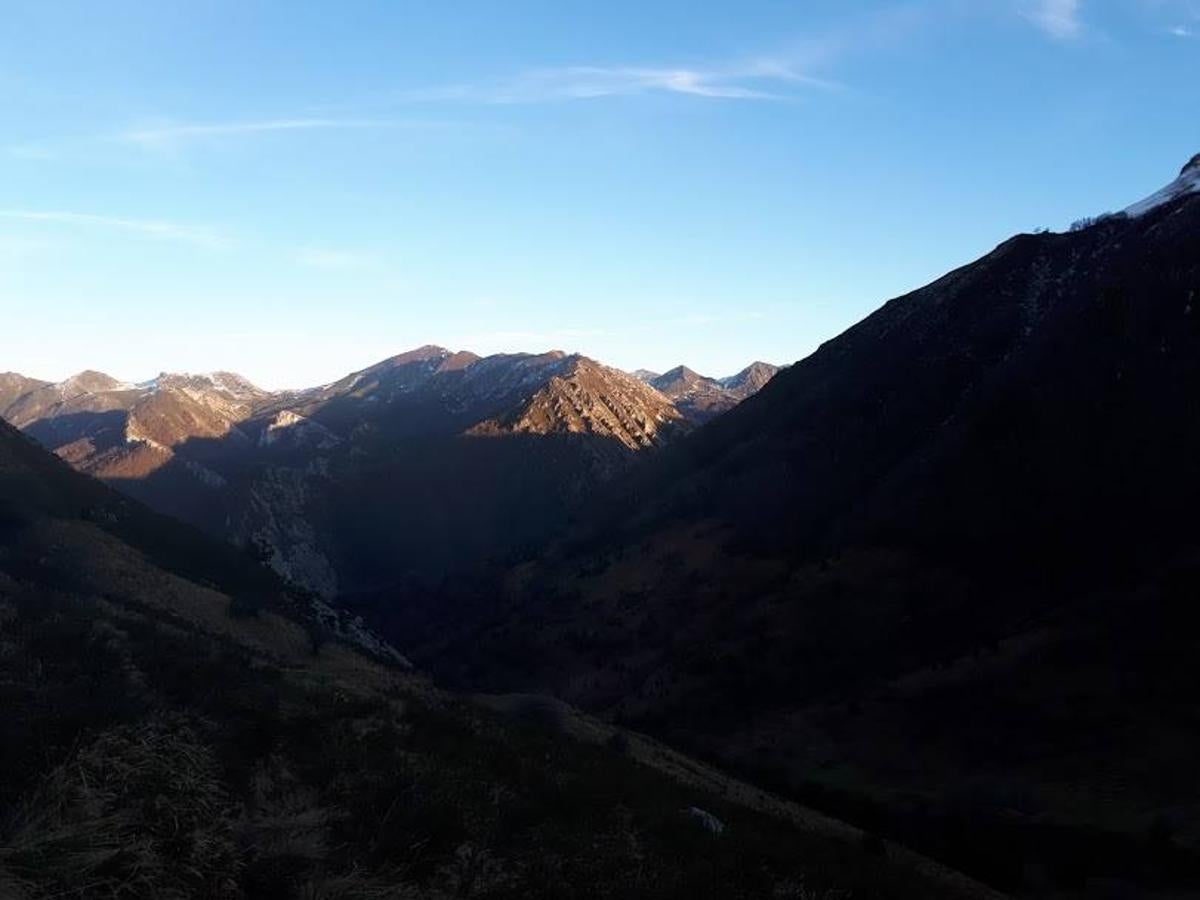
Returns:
(161, 740)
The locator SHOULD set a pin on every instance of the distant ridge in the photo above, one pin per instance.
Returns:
(378, 459)
(700, 398)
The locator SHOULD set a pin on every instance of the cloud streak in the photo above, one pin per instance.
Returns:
(174, 133)
(756, 80)
(1061, 19)
(151, 228)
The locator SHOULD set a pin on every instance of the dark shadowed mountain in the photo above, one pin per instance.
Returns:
(180, 723)
(415, 467)
(941, 572)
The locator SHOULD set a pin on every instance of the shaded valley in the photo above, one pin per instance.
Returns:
(179, 722)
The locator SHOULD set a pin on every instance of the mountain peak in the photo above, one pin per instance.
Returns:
(89, 381)
(679, 374)
(1193, 165)
(424, 353)
(428, 354)
(750, 379)
(584, 396)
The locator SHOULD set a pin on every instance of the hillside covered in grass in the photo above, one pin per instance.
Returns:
(162, 739)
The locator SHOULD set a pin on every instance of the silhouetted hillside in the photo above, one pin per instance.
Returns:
(936, 573)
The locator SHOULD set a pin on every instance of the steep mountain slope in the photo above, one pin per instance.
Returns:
(963, 533)
(14, 386)
(167, 735)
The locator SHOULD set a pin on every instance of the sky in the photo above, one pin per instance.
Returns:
(295, 190)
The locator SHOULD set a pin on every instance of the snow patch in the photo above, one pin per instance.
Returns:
(1188, 182)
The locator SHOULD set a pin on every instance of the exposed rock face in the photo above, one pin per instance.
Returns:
(588, 398)
(291, 427)
(274, 515)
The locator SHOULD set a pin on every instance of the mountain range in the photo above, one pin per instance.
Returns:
(404, 451)
(937, 579)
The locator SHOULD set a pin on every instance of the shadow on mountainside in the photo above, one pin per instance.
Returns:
(940, 574)
(394, 511)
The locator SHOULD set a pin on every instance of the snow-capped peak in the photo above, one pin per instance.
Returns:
(1188, 182)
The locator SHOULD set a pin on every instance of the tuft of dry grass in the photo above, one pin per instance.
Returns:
(359, 886)
(138, 811)
(284, 818)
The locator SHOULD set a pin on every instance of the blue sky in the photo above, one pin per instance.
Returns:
(293, 190)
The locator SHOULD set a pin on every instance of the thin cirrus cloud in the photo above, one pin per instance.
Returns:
(150, 228)
(172, 136)
(1061, 19)
(759, 80)
(178, 132)
(779, 77)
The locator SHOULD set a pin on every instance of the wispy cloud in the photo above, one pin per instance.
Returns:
(1184, 31)
(151, 228)
(1060, 19)
(171, 137)
(794, 65)
(176, 132)
(755, 80)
